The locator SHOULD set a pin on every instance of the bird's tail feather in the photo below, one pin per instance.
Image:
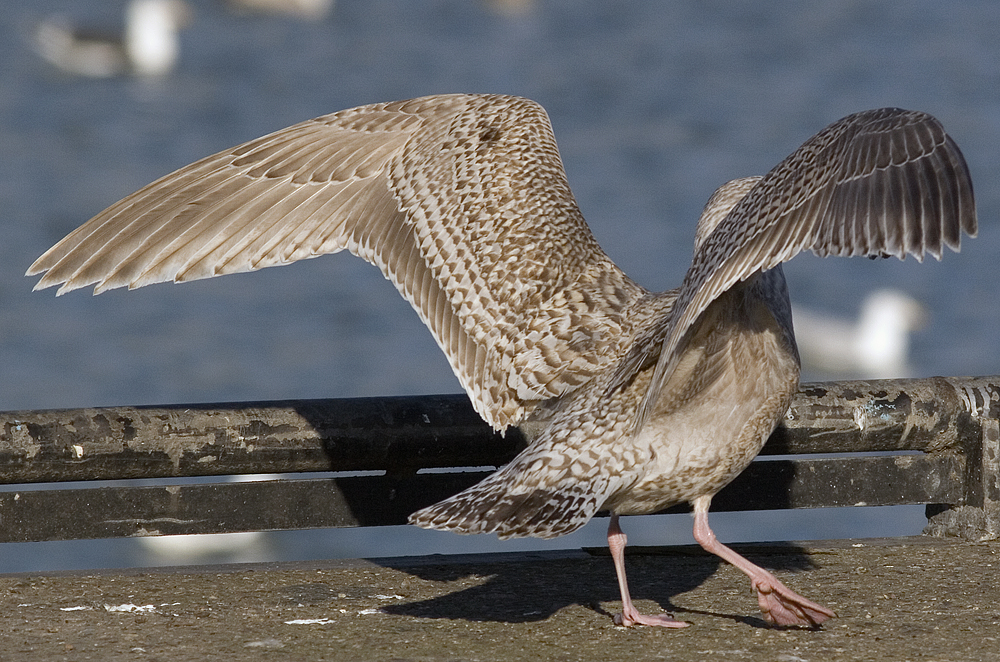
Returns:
(514, 503)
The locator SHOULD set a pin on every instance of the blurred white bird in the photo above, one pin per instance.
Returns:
(305, 9)
(876, 346)
(149, 45)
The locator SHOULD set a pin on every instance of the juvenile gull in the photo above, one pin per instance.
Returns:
(641, 400)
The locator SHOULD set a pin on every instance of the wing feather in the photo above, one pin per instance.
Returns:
(879, 182)
(460, 200)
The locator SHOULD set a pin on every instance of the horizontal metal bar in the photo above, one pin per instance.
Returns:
(936, 414)
(105, 512)
(394, 434)
(884, 480)
(407, 433)
(272, 505)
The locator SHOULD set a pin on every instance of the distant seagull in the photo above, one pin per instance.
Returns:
(639, 400)
(149, 46)
(307, 9)
(876, 346)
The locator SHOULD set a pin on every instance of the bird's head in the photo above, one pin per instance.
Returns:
(720, 204)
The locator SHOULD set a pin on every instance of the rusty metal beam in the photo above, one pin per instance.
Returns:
(408, 433)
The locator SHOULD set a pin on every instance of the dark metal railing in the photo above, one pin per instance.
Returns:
(892, 442)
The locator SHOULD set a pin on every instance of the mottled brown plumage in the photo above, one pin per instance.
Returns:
(641, 400)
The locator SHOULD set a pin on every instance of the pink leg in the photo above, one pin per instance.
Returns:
(779, 604)
(630, 615)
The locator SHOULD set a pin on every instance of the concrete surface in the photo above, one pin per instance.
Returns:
(897, 599)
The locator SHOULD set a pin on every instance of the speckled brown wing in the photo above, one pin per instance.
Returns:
(460, 200)
(877, 183)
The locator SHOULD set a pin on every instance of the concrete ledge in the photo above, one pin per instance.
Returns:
(899, 599)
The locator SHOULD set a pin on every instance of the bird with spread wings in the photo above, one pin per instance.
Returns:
(639, 400)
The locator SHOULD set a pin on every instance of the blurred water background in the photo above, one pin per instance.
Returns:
(653, 104)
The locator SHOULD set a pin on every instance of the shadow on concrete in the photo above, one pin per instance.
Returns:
(533, 590)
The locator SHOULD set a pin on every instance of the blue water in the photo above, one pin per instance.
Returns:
(653, 104)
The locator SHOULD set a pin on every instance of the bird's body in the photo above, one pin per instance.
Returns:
(639, 400)
(705, 435)
(709, 425)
